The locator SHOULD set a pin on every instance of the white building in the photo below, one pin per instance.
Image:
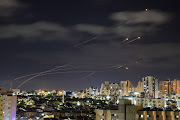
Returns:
(91, 91)
(150, 85)
(8, 104)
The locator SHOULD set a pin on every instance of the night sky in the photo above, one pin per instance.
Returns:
(87, 35)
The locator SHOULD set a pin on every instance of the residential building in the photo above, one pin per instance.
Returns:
(125, 111)
(8, 104)
(140, 87)
(158, 114)
(164, 88)
(91, 91)
(175, 86)
(150, 102)
(108, 88)
(105, 88)
(150, 85)
(126, 87)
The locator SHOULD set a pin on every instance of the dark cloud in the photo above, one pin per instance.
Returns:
(130, 24)
(8, 3)
(47, 31)
(39, 30)
(150, 16)
(92, 29)
(9, 7)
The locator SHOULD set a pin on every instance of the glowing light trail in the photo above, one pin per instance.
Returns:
(99, 35)
(51, 70)
(133, 40)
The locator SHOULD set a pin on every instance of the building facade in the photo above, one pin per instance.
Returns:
(125, 111)
(150, 85)
(8, 104)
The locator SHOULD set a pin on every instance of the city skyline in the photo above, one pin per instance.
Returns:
(113, 40)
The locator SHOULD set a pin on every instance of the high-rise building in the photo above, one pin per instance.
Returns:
(8, 104)
(125, 111)
(140, 87)
(114, 89)
(105, 88)
(91, 91)
(169, 87)
(164, 88)
(126, 87)
(150, 85)
(108, 88)
(175, 86)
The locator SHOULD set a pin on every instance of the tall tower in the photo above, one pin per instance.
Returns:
(126, 87)
(150, 85)
(165, 87)
(140, 87)
(8, 103)
(175, 86)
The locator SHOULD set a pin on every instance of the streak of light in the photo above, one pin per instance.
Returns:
(86, 41)
(77, 45)
(134, 40)
(38, 75)
(125, 40)
(89, 75)
(118, 67)
(51, 70)
(50, 73)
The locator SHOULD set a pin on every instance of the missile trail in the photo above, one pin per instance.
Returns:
(77, 45)
(51, 70)
(54, 73)
(125, 40)
(50, 73)
(133, 40)
(89, 75)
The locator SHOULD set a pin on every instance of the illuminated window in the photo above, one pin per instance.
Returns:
(141, 116)
(148, 116)
(113, 114)
(176, 116)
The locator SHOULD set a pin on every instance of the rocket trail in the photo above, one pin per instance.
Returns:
(51, 70)
(77, 45)
(38, 75)
(27, 81)
(89, 75)
(125, 40)
(86, 41)
(113, 67)
(133, 40)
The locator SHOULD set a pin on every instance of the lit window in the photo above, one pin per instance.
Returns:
(148, 116)
(141, 116)
(176, 116)
(113, 114)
